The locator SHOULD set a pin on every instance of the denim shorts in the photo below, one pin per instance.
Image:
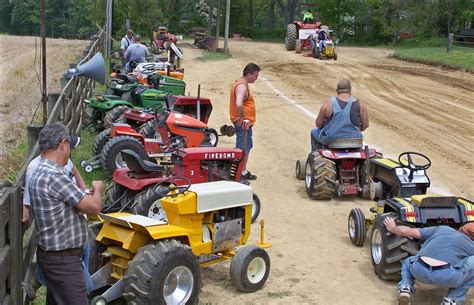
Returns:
(239, 133)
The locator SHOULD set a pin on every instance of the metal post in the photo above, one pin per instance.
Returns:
(108, 38)
(218, 22)
(44, 97)
(198, 103)
(226, 33)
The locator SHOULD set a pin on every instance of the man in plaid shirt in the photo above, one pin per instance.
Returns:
(58, 205)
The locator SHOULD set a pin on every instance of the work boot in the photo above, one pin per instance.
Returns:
(405, 296)
(449, 301)
(249, 176)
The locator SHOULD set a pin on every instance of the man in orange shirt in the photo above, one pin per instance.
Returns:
(242, 107)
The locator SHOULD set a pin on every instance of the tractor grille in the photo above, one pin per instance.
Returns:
(233, 170)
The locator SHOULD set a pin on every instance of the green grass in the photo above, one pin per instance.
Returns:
(84, 152)
(16, 159)
(438, 56)
(211, 56)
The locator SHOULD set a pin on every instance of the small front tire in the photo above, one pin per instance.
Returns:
(356, 227)
(249, 268)
(300, 169)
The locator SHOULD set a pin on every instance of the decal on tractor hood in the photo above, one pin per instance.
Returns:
(219, 155)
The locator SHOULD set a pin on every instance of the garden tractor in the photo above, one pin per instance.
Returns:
(102, 110)
(328, 50)
(401, 185)
(341, 168)
(151, 261)
(299, 34)
(158, 134)
(160, 37)
(418, 211)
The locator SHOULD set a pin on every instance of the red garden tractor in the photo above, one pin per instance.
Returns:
(342, 168)
(139, 187)
(298, 35)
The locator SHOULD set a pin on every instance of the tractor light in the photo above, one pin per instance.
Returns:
(469, 213)
(410, 214)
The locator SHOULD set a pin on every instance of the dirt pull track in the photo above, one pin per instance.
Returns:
(411, 108)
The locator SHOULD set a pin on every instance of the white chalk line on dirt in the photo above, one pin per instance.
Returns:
(435, 188)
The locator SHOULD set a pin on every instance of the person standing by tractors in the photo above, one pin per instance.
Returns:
(137, 53)
(446, 259)
(58, 206)
(242, 107)
(126, 41)
(342, 116)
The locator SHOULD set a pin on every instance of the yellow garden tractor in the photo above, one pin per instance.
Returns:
(151, 261)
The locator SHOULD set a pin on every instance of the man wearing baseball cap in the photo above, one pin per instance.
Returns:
(342, 116)
(446, 259)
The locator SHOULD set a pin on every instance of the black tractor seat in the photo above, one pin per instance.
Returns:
(348, 143)
(111, 97)
(139, 166)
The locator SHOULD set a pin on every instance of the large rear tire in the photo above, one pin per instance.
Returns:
(249, 268)
(290, 38)
(320, 180)
(166, 272)
(96, 248)
(112, 158)
(114, 115)
(117, 196)
(148, 130)
(88, 117)
(388, 250)
(148, 202)
(99, 142)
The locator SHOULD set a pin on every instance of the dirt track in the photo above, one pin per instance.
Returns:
(411, 107)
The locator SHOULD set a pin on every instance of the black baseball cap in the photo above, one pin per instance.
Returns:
(74, 141)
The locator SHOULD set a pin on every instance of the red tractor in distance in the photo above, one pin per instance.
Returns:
(160, 37)
(299, 34)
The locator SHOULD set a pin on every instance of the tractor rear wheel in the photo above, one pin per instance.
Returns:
(148, 130)
(290, 38)
(114, 115)
(320, 180)
(99, 142)
(112, 158)
(96, 248)
(388, 250)
(116, 192)
(88, 117)
(165, 272)
(300, 169)
(356, 227)
(148, 202)
(249, 268)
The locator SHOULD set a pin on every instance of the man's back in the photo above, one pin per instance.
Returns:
(136, 52)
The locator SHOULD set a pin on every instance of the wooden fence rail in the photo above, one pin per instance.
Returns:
(16, 249)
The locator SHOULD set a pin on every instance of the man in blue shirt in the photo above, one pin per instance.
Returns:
(446, 259)
(136, 52)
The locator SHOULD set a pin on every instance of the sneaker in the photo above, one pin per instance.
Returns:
(449, 301)
(405, 296)
(249, 176)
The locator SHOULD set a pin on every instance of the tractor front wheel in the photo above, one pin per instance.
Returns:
(249, 268)
(111, 156)
(166, 272)
(356, 227)
(320, 179)
(148, 202)
(300, 169)
(388, 250)
(213, 137)
(99, 142)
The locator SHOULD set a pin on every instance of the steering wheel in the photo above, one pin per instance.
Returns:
(148, 71)
(173, 144)
(148, 66)
(412, 166)
(178, 189)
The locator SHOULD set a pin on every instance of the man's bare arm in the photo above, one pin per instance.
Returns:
(240, 95)
(364, 116)
(404, 231)
(323, 114)
(91, 204)
(80, 182)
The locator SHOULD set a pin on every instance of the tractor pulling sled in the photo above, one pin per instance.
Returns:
(401, 185)
(150, 261)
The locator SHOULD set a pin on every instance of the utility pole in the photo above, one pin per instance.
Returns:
(44, 97)
(218, 21)
(226, 33)
(108, 32)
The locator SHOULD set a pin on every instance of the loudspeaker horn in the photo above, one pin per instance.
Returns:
(93, 68)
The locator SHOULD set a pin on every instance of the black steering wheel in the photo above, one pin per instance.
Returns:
(173, 144)
(148, 66)
(412, 166)
(172, 181)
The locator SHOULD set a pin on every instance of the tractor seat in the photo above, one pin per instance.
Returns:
(112, 97)
(346, 143)
(137, 165)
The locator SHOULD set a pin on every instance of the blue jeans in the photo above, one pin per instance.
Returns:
(315, 133)
(85, 266)
(458, 280)
(239, 133)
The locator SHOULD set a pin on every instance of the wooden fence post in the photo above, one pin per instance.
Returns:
(450, 42)
(32, 132)
(16, 241)
(52, 98)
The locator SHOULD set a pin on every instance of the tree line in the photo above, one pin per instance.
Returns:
(359, 21)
